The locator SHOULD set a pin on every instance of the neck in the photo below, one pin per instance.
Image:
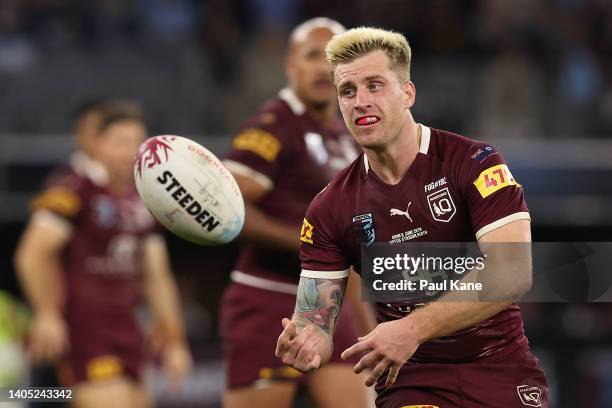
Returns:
(394, 160)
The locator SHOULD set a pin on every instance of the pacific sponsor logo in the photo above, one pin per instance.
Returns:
(306, 233)
(483, 152)
(367, 225)
(183, 198)
(435, 184)
(530, 396)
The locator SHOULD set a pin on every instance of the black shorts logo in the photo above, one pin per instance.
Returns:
(530, 396)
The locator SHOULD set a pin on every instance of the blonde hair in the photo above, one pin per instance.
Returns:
(357, 42)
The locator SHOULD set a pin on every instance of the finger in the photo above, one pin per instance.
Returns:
(356, 348)
(367, 336)
(367, 361)
(284, 340)
(377, 372)
(393, 372)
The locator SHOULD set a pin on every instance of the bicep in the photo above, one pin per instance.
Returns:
(156, 261)
(252, 188)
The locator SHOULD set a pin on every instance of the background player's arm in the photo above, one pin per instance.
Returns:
(392, 343)
(260, 228)
(162, 296)
(306, 341)
(38, 265)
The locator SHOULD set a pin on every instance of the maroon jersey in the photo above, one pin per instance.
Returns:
(102, 257)
(457, 189)
(294, 157)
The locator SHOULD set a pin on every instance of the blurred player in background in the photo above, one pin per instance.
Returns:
(444, 353)
(281, 158)
(89, 253)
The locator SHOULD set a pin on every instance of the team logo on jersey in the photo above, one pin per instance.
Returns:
(367, 225)
(530, 396)
(441, 205)
(395, 211)
(307, 230)
(105, 211)
(494, 178)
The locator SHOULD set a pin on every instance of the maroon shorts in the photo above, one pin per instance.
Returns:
(102, 349)
(250, 320)
(514, 382)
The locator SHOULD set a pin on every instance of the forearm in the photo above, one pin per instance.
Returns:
(318, 302)
(42, 281)
(162, 296)
(439, 319)
(263, 230)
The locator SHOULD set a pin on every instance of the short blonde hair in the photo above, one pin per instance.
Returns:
(357, 42)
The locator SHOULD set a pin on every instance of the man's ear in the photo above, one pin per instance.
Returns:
(409, 94)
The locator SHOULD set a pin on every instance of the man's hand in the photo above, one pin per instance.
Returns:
(389, 345)
(48, 337)
(305, 351)
(176, 363)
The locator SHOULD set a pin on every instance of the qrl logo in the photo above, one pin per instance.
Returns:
(530, 396)
(441, 205)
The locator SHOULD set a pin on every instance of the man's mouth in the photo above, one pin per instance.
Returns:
(366, 120)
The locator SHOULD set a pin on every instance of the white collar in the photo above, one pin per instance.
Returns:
(423, 148)
(85, 166)
(287, 95)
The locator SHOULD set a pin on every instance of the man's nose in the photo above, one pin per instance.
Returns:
(362, 99)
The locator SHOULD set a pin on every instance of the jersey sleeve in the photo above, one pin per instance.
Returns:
(321, 255)
(61, 198)
(259, 148)
(495, 198)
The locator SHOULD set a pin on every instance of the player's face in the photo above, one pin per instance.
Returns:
(117, 146)
(308, 71)
(373, 100)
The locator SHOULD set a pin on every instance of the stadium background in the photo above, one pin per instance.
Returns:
(532, 77)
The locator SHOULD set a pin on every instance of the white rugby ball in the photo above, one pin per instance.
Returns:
(188, 190)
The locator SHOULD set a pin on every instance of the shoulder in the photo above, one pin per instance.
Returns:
(340, 191)
(64, 193)
(449, 145)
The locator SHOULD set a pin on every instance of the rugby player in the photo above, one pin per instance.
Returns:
(281, 158)
(443, 354)
(89, 253)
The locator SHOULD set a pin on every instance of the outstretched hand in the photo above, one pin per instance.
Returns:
(306, 349)
(388, 346)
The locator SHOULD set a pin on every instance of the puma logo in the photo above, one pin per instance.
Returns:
(395, 211)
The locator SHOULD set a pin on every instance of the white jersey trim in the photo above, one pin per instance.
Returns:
(85, 166)
(501, 222)
(47, 219)
(246, 171)
(262, 283)
(287, 95)
(425, 138)
(324, 274)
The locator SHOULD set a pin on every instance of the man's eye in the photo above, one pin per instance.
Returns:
(375, 86)
(348, 93)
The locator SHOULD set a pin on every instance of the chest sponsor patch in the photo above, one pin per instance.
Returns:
(493, 179)
(258, 141)
(306, 233)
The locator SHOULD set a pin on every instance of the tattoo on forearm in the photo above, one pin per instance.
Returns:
(319, 302)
